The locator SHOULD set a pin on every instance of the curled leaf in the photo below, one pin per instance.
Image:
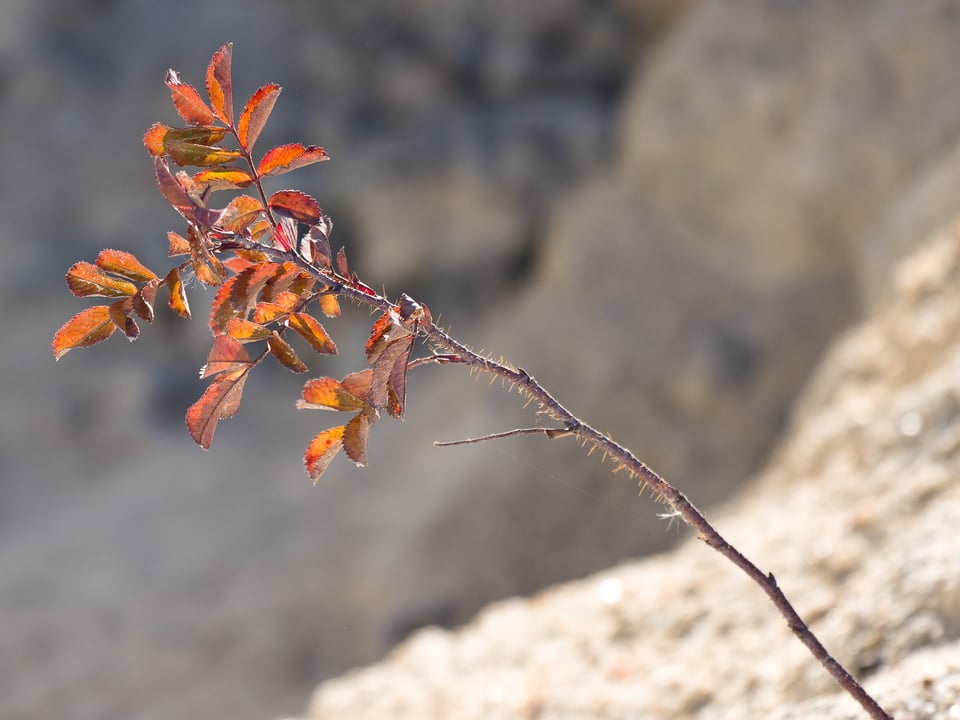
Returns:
(187, 100)
(330, 306)
(223, 179)
(284, 158)
(220, 400)
(121, 312)
(178, 296)
(220, 85)
(255, 114)
(125, 264)
(86, 279)
(188, 153)
(144, 300)
(86, 328)
(321, 451)
(312, 331)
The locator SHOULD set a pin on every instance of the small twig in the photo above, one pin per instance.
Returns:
(548, 432)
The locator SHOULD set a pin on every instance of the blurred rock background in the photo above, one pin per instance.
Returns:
(664, 210)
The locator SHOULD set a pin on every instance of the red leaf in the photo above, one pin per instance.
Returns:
(220, 400)
(219, 84)
(187, 100)
(125, 264)
(144, 300)
(173, 191)
(223, 179)
(240, 213)
(226, 353)
(250, 282)
(321, 451)
(178, 296)
(297, 205)
(86, 328)
(222, 310)
(255, 114)
(85, 280)
(120, 313)
(328, 394)
(285, 354)
(355, 439)
(312, 331)
(284, 158)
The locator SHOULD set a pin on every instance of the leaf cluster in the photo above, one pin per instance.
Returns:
(270, 260)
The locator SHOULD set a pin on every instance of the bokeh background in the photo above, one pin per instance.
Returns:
(662, 209)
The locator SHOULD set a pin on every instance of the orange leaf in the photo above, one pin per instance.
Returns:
(219, 84)
(153, 139)
(330, 306)
(125, 264)
(284, 158)
(250, 282)
(120, 313)
(86, 279)
(255, 114)
(178, 296)
(327, 394)
(220, 400)
(285, 354)
(267, 312)
(222, 310)
(156, 138)
(312, 331)
(226, 354)
(297, 205)
(355, 439)
(240, 213)
(86, 328)
(178, 244)
(187, 100)
(246, 331)
(321, 451)
(223, 179)
(205, 273)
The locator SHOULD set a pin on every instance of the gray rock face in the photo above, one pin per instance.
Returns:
(856, 516)
(663, 210)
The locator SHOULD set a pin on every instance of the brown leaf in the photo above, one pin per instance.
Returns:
(321, 451)
(220, 400)
(358, 383)
(86, 328)
(178, 295)
(222, 310)
(255, 114)
(342, 266)
(86, 280)
(297, 205)
(380, 386)
(312, 331)
(327, 394)
(187, 100)
(387, 329)
(173, 191)
(355, 439)
(398, 381)
(220, 85)
(284, 158)
(125, 264)
(226, 353)
(285, 354)
(188, 153)
(251, 282)
(121, 314)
